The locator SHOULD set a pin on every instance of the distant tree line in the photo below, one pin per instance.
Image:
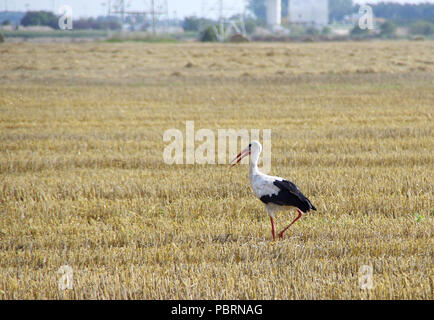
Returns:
(46, 18)
(100, 23)
(403, 13)
(418, 17)
(338, 9)
(11, 17)
(193, 23)
(40, 18)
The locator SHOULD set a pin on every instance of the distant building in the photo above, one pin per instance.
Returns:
(274, 12)
(309, 12)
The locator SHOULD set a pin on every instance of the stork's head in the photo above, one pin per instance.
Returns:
(253, 148)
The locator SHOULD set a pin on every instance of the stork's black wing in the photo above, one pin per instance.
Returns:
(289, 195)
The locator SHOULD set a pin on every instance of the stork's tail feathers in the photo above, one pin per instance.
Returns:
(312, 207)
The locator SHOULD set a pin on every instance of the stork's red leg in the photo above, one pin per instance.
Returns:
(272, 228)
(298, 217)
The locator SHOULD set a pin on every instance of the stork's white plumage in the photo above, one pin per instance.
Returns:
(276, 193)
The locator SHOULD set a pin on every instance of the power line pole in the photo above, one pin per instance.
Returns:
(122, 13)
(154, 12)
(119, 8)
(229, 24)
(157, 12)
(153, 16)
(221, 20)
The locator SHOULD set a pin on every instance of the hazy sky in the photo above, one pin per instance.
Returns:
(84, 8)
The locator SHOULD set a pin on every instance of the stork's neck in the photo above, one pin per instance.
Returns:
(254, 164)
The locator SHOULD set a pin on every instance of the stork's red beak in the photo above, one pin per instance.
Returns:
(239, 156)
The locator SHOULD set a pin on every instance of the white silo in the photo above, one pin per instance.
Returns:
(274, 13)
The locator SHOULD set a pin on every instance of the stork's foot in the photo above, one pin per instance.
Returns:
(281, 234)
(298, 217)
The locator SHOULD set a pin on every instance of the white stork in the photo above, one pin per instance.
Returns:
(276, 193)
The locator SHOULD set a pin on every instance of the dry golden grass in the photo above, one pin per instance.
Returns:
(83, 182)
